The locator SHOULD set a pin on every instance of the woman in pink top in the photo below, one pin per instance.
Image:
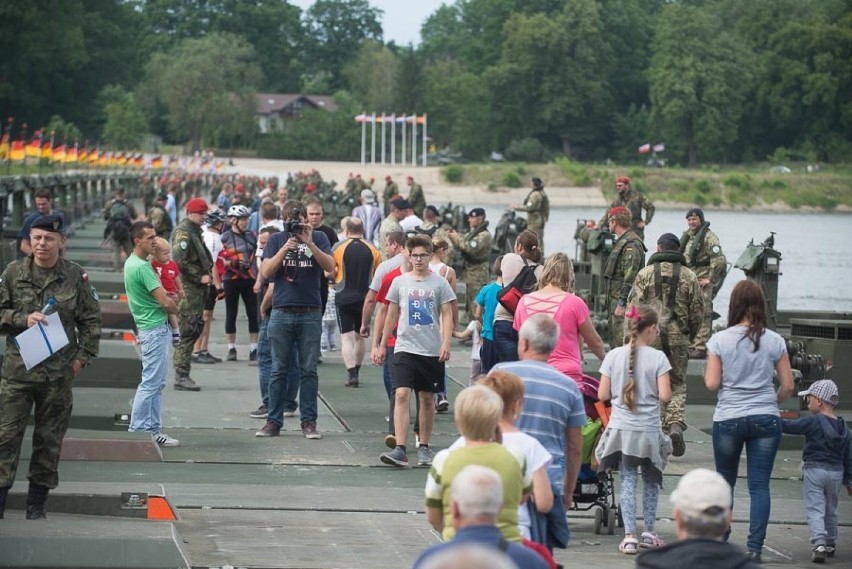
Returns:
(554, 298)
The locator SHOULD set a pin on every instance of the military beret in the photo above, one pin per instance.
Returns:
(618, 210)
(196, 205)
(622, 180)
(476, 212)
(537, 182)
(432, 208)
(163, 196)
(669, 239)
(697, 211)
(401, 203)
(52, 223)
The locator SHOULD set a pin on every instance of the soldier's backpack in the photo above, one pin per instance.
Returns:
(118, 223)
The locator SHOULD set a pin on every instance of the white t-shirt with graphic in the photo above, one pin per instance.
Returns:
(420, 302)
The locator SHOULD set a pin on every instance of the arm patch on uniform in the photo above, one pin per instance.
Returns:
(715, 249)
(184, 245)
(95, 294)
(473, 243)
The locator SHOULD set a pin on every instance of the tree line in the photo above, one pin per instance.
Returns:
(719, 81)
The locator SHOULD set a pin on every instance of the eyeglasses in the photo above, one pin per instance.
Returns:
(419, 256)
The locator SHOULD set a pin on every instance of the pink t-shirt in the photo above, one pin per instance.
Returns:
(167, 272)
(569, 311)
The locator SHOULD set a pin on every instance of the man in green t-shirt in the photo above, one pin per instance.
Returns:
(150, 306)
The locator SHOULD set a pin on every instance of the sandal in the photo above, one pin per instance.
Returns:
(629, 546)
(651, 540)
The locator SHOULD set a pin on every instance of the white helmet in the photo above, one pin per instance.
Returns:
(238, 211)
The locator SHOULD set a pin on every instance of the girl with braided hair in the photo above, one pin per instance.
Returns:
(635, 377)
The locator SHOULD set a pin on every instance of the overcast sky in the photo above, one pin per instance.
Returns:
(402, 18)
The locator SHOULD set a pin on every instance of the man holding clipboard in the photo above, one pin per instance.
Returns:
(25, 287)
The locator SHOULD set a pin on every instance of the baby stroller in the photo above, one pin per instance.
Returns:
(593, 490)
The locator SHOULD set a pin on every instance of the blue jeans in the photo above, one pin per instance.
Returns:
(148, 401)
(505, 341)
(264, 370)
(294, 336)
(760, 435)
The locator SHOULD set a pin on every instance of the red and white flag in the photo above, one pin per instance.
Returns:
(659, 147)
(645, 148)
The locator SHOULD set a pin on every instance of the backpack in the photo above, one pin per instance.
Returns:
(118, 224)
(524, 283)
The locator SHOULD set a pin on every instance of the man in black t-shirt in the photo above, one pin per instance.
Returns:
(355, 260)
(295, 264)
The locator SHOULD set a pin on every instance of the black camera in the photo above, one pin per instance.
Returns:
(294, 225)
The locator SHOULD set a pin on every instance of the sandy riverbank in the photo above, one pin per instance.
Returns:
(437, 190)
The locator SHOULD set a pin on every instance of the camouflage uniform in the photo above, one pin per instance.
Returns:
(622, 266)
(24, 289)
(391, 190)
(635, 201)
(704, 256)
(684, 311)
(389, 225)
(125, 245)
(194, 261)
(475, 249)
(159, 218)
(537, 206)
(417, 199)
(149, 193)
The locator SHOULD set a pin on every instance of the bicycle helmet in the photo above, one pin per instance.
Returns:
(215, 217)
(238, 211)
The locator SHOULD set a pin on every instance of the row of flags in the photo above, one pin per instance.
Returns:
(646, 148)
(371, 118)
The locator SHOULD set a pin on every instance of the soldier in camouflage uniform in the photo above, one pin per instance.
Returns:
(622, 266)
(666, 273)
(195, 263)
(475, 250)
(537, 207)
(25, 288)
(416, 197)
(704, 256)
(390, 224)
(391, 190)
(159, 217)
(635, 201)
(149, 192)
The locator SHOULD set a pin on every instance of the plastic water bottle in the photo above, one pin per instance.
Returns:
(49, 308)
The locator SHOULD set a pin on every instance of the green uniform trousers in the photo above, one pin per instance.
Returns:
(190, 319)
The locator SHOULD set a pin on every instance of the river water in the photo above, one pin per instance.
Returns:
(816, 249)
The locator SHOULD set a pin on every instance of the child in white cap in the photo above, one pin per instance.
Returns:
(828, 463)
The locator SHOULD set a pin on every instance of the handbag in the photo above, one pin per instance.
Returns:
(524, 283)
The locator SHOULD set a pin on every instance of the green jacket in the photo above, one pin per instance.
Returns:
(635, 201)
(475, 249)
(417, 199)
(537, 206)
(22, 293)
(686, 310)
(703, 253)
(622, 266)
(190, 253)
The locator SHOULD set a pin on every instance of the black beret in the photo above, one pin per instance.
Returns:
(52, 223)
(668, 239)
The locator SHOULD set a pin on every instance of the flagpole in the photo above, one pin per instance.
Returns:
(424, 139)
(373, 139)
(414, 141)
(383, 138)
(404, 139)
(393, 139)
(364, 138)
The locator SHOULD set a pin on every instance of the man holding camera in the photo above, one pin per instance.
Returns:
(295, 260)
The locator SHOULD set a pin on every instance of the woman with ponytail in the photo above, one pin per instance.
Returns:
(636, 378)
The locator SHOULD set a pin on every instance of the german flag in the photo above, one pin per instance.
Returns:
(34, 147)
(47, 150)
(4, 146)
(18, 153)
(59, 153)
(94, 157)
(71, 155)
(83, 155)
(157, 162)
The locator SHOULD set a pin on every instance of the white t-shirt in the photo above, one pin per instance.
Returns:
(476, 339)
(213, 240)
(420, 301)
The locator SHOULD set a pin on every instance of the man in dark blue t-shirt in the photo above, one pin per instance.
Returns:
(295, 263)
(44, 206)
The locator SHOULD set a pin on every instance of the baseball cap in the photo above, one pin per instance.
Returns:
(825, 389)
(196, 205)
(51, 223)
(163, 196)
(368, 196)
(476, 212)
(703, 494)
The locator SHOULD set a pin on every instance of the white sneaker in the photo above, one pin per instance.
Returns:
(165, 440)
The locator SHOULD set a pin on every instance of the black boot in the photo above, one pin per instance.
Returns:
(3, 493)
(36, 498)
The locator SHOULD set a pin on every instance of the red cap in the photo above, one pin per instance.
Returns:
(239, 189)
(622, 180)
(618, 210)
(196, 205)
(310, 188)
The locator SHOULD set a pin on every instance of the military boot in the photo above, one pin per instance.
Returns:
(184, 383)
(36, 497)
(4, 492)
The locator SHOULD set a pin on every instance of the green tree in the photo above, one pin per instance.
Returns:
(207, 85)
(125, 124)
(335, 29)
(372, 76)
(62, 130)
(700, 76)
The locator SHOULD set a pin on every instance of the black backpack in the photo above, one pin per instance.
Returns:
(118, 224)
(524, 283)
